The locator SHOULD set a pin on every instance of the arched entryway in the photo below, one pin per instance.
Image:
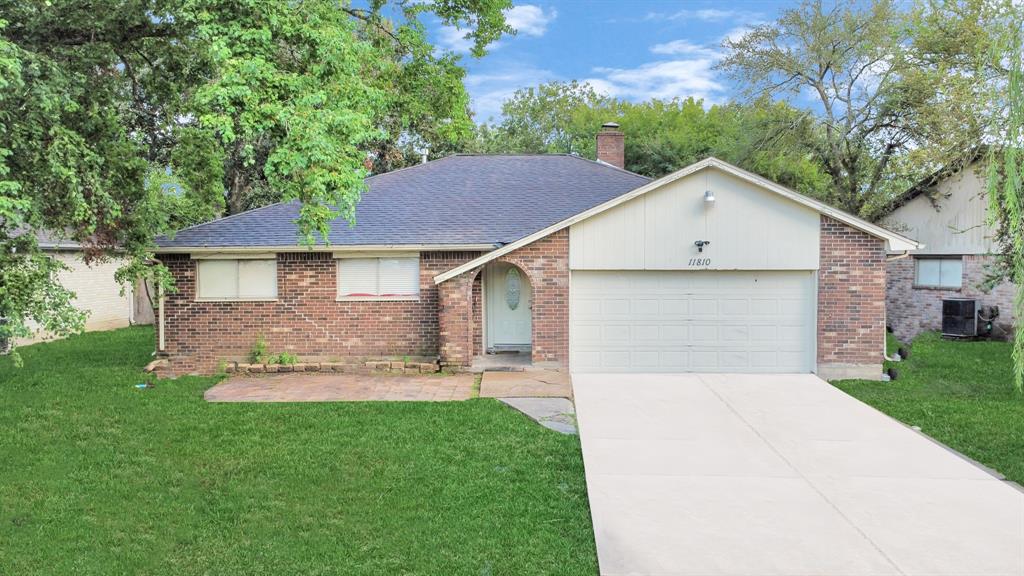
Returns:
(507, 310)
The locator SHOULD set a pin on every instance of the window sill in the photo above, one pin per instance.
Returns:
(377, 299)
(236, 300)
(940, 288)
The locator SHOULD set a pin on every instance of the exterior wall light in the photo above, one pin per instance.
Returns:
(709, 197)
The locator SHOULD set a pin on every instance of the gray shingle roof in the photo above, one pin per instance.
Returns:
(460, 199)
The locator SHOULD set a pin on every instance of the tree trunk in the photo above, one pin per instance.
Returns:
(238, 190)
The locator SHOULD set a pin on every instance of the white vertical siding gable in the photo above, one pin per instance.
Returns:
(749, 228)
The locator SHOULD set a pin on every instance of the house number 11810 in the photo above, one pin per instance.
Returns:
(700, 262)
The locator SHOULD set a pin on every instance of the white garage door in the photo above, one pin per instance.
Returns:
(692, 321)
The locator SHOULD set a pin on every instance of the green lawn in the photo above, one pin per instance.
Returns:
(98, 477)
(960, 393)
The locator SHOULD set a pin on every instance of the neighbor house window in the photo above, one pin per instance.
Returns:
(381, 277)
(237, 279)
(939, 272)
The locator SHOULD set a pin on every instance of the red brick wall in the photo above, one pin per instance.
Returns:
(546, 264)
(611, 147)
(911, 310)
(851, 296)
(305, 320)
(455, 319)
(478, 317)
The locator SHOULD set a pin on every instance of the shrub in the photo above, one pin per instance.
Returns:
(258, 354)
(286, 358)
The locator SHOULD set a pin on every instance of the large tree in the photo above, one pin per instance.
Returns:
(105, 107)
(987, 46)
(662, 135)
(884, 123)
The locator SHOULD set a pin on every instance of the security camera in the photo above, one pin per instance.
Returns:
(700, 244)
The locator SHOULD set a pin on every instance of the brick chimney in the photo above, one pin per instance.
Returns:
(611, 145)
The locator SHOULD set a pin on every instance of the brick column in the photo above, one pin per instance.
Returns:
(455, 320)
(851, 303)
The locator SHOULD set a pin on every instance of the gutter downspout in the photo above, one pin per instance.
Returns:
(160, 299)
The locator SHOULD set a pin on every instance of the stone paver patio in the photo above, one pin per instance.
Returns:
(296, 387)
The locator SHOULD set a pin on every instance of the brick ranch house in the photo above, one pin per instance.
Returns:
(948, 213)
(562, 262)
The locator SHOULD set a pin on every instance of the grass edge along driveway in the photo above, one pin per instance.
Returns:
(99, 477)
(960, 393)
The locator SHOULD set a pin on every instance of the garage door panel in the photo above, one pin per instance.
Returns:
(769, 306)
(768, 333)
(675, 334)
(703, 306)
(739, 333)
(675, 307)
(612, 307)
(587, 307)
(672, 321)
(735, 306)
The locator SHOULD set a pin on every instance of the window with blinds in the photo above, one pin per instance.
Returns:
(939, 272)
(237, 279)
(382, 277)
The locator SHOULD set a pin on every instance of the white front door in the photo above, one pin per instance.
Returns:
(507, 306)
(692, 321)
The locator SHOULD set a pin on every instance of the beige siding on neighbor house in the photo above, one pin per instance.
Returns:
(955, 223)
(95, 292)
(749, 228)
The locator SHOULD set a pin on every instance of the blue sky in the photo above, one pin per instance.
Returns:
(632, 50)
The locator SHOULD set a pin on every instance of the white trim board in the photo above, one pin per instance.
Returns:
(893, 240)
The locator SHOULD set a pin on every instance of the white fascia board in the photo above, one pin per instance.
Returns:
(893, 240)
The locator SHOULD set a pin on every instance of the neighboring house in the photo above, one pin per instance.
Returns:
(96, 291)
(575, 263)
(948, 215)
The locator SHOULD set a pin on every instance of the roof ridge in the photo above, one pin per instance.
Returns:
(612, 166)
(510, 154)
(410, 167)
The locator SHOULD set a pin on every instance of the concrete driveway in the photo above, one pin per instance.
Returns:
(780, 474)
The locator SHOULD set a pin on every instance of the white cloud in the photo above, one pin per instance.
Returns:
(683, 47)
(736, 34)
(529, 19)
(453, 39)
(489, 91)
(713, 15)
(663, 80)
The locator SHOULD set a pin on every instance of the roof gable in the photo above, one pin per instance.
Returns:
(953, 218)
(894, 241)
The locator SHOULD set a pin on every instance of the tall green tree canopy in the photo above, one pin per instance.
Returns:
(770, 138)
(104, 108)
(878, 87)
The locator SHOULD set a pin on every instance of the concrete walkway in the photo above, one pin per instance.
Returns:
(527, 384)
(780, 475)
(306, 387)
(556, 414)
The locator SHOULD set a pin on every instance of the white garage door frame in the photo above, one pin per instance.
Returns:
(810, 330)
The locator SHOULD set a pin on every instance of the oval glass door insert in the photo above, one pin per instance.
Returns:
(512, 288)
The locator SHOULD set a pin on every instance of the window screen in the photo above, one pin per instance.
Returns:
(381, 277)
(237, 279)
(939, 272)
